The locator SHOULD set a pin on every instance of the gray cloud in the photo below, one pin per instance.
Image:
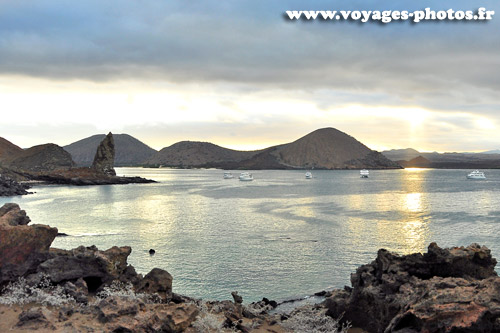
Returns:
(446, 66)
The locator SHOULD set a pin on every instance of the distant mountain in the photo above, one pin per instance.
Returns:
(41, 158)
(8, 150)
(453, 160)
(496, 151)
(417, 162)
(401, 154)
(325, 148)
(197, 154)
(128, 150)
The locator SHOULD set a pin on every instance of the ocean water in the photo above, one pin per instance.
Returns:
(280, 236)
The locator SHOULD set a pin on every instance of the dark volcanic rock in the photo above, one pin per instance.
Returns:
(104, 160)
(35, 319)
(9, 187)
(157, 281)
(443, 290)
(22, 247)
(94, 266)
(86, 177)
(11, 214)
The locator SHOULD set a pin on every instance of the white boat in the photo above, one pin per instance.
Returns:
(309, 175)
(364, 173)
(476, 174)
(246, 176)
(228, 175)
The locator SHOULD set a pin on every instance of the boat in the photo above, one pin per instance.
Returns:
(309, 175)
(246, 176)
(228, 175)
(476, 174)
(364, 173)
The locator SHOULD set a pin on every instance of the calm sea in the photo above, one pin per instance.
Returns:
(279, 236)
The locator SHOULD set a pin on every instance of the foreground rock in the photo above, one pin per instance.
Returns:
(22, 247)
(86, 290)
(443, 290)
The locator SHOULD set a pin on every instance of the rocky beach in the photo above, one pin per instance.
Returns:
(90, 290)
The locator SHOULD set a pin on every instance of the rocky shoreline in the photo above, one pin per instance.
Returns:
(89, 290)
(10, 187)
(52, 165)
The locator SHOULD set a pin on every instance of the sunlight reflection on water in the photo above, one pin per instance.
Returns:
(278, 236)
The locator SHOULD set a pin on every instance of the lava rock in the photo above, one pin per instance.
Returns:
(443, 290)
(104, 159)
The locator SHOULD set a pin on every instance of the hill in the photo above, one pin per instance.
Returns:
(41, 158)
(325, 148)
(8, 150)
(198, 154)
(128, 150)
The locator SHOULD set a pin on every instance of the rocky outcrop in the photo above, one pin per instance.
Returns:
(104, 159)
(443, 290)
(10, 187)
(11, 214)
(128, 150)
(86, 177)
(95, 267)
(157, 281)
(22, 247)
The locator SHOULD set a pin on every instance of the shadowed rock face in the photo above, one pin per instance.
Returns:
(22, 247)
(104, 160)
(443, 290)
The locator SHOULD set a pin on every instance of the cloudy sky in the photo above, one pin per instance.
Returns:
(239, 74)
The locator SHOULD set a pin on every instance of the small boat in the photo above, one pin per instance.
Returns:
(246, 176)
(476, 174)
(364, 173)
(228, 175)
(309, 175)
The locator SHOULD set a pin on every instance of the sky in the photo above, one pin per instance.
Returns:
(243, 76)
